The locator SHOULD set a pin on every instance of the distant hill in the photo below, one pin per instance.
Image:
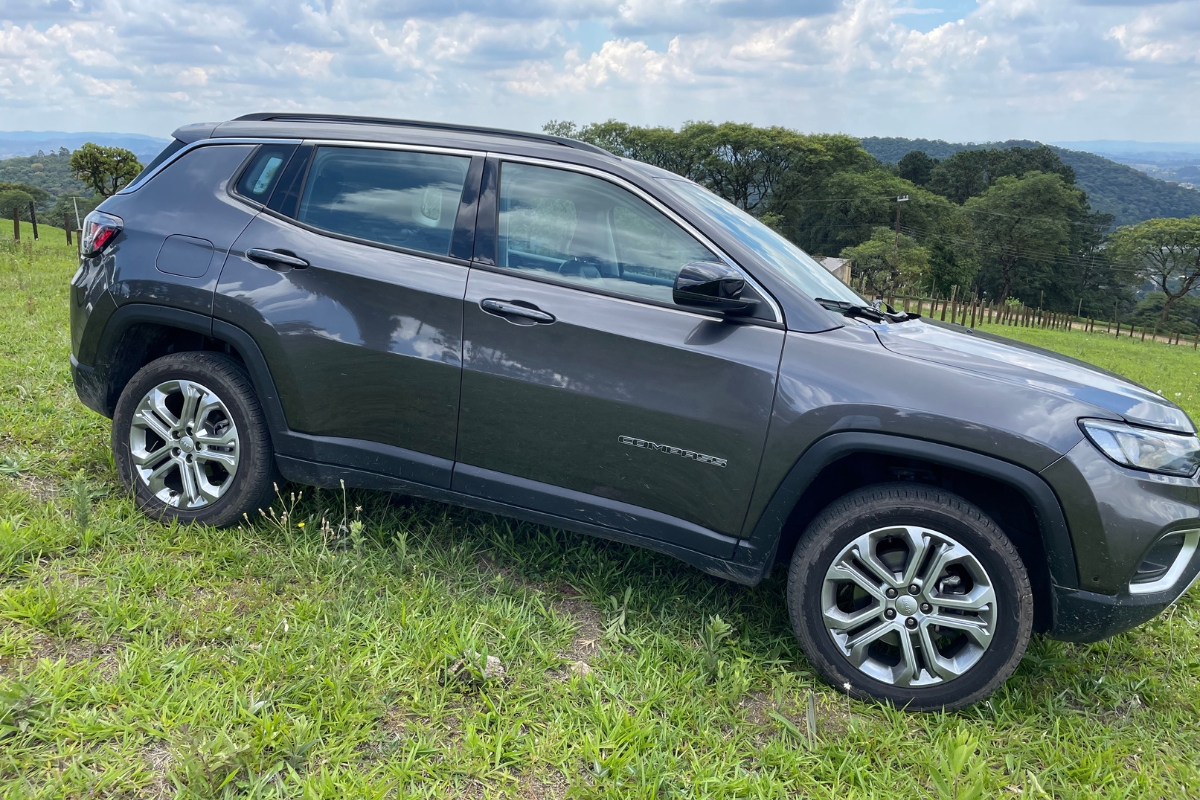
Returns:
(49, 171)
(1129, 195)
(28, 143)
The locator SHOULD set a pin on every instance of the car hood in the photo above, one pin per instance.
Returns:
(1005, 359)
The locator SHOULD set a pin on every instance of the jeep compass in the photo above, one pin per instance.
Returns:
(535, 327)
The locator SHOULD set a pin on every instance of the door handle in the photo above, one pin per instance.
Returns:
(273, 258)
(504, 308)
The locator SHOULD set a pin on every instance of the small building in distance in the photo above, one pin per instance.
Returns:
(838, 267)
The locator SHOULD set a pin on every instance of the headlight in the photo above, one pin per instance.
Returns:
(1141, 448)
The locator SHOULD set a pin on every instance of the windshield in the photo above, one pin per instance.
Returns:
(792, 263)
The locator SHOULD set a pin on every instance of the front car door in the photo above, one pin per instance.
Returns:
(351, 283)
(586, 392)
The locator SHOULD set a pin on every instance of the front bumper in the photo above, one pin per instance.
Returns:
(1081, 616)
(1116, 515)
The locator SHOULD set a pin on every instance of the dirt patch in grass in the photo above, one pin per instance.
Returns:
(553, 788)
(40, 489)
(158, 761)
(74, 651)
(586, 643)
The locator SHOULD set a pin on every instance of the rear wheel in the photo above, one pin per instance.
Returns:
(908, 594)
(190, 440)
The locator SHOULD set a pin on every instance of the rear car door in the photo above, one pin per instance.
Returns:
(586, 392)
(351, 282)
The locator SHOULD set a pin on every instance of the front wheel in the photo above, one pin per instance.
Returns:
(190, 440)
(911, 595)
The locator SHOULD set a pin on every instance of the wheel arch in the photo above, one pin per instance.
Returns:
(1018, 499)
(138, 333)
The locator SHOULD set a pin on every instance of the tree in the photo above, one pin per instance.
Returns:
(1184, 314)
(1023, 231)
(11, 198)
(1164, 251)
(970, 173)
(916, 167)
(888, 261)
(20, 195)
(104, 169)
(761, 170)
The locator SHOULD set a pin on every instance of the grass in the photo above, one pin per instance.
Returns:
(410, 649)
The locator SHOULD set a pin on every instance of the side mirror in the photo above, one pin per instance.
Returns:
(708, 284)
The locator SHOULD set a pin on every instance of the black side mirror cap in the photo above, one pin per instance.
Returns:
(714, 286)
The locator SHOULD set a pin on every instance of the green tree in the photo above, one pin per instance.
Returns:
(1184, 315)
(848, 205)
(916, 167)
(1164, 251)
(20, 195)
(11, 198)
(970, 173)
(104, 169)
(888, 261)
(1023, 229)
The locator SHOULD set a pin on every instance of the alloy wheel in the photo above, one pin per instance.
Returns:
(909, 606)
(184, 444)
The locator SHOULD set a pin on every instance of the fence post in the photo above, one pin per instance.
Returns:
(1143, 333)
(67, 226)
(1118, 329)
(1196, 344)
(33, 220)
(16, 224)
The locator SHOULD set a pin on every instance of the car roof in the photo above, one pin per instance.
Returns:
(394, 131)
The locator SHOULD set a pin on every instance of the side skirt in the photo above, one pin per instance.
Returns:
(316, 473)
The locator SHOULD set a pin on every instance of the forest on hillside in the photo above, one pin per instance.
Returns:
(1009, 223)
(47, 180)
(1129, 195)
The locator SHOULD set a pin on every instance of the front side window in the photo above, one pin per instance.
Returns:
(790, 262)
(393, 197)
(586, 231)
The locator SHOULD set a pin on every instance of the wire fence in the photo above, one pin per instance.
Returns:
(972, 312)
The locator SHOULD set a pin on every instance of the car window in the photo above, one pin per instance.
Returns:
(393, 197)
(790, 262)
(260, 177)
(586, 231)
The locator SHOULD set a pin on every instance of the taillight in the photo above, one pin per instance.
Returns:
(98, 230)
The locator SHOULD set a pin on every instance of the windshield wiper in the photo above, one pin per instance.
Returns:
(873, 313)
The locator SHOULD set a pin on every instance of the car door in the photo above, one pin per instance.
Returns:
(351, 283)
(586, 392)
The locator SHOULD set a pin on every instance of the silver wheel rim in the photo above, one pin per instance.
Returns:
(184, 444)
(909, 606)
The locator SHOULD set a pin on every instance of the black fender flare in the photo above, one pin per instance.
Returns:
(131, 314)
(768, 530)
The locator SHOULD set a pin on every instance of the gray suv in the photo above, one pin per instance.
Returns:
(532, 326)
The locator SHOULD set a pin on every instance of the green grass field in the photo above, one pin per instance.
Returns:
(413, 649)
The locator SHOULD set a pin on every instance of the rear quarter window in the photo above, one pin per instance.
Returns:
(258, 179)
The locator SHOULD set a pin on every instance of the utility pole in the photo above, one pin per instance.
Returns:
(896, 241)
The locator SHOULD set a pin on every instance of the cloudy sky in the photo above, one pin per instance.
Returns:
(955, 69)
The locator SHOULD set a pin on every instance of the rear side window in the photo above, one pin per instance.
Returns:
(393, 197)
(174, 147)
(259, 178)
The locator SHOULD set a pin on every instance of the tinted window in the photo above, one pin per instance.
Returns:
(260, 177)
(792, 263)
(174, 147)
(586, 231)
(393, 197)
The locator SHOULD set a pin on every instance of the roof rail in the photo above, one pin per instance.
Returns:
(435, 126)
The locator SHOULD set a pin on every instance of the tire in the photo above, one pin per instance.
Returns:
(844, 628)
(229, 462)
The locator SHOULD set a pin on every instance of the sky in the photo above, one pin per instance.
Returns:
(961, 70)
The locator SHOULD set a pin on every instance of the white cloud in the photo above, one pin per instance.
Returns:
(992, 69)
